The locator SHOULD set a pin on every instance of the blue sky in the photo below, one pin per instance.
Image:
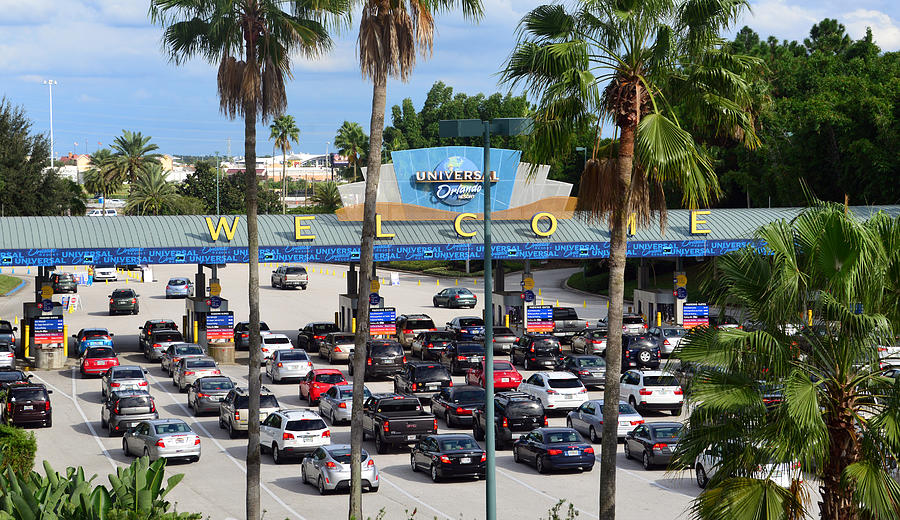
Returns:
(106, 57)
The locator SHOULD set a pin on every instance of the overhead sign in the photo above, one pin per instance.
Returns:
(220, 325)
(455, 181)
(539, 318)
(382, 322)
(695, 315)
(48, 330)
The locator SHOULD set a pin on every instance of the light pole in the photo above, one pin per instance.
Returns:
(217, 183)
(472, 128)
(327, 149)
(50, 83)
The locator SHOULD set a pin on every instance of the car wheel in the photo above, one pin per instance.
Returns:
(592, 434)
(627, 450)
(434, 302)
(321, 486)
(516, 458)
(477, 433)
(48, 423)
(568, 422)
(146, 452)
(645, 460)
(702, 479)
(632, 402)
(232, 433)
(412, 463)
(331, 418)
(350, 368)
(451, 422)
(330, 357)
(273, 283)
(196, 410)
(276, 458)
(422, 353)
(434, 474)
(303, 474)
(125, 448)
(539, 465)
(380, 445)
(103, 424)
(644, 356)
(526, 363)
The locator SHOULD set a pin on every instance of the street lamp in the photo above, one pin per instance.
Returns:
(217, 183)
(473, 128)
(50, 83)
(327, 148)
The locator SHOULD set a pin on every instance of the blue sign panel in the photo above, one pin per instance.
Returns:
(215, 302)
(681, 293)
(220, 325)
(374, 299)
(382, 322)
(46, 305)
(529, 297)
(48, 330)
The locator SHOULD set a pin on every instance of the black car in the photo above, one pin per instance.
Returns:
(456, 404)
(384, 358)
(514, 412)
(462, 355)
(429, 345)
(312, 337)
(653, 443)
(63, 282)
(448, 455)
(591, 370)
(554, 448)
(534, 351)
(421, 378)
(242, 333)
(149, 327)
(639, 351)
(13, 376)
(26, 403)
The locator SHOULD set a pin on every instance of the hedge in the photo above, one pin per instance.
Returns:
(17, 449)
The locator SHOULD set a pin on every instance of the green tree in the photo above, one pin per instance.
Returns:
(282, 131)
(97, 179)
(251, 41)
(152, 194)
(840, 418)
(326, 196)
(391, 34)
(629, 63)
(351, 142)
(201, 184)
(131, 157)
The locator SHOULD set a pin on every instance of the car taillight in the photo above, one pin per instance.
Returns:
(161, 443)
(368, 361)
(644, 391)
(483, 457)
(457, 296)
(152, 406)
(157, 345)
(188, 372)
(114, 385)
(330, 464)
(110, 300)
(414, 387)
(342, 405)
(370, 463)
(134, 300)
(434, 425)
(143, 383)
(318, 337)
(387, 426)
(545, 421)
(8, 407)
(589, 450)
(404, 359)
(460, 358)
(445, 459)
(407, 331)
(505, 423)
(197, 441)
(450, 383)
(597, 342)
(116, 409)
(666, 342)
(280, 364)
(584, 372)
(639, 421)
(462, 411)
(245, 335)
(679, 391)
(430, 345)
(287, 436)
(660, 446)
(531, 349)
(551, 391)
(237, 415)
(554, 452)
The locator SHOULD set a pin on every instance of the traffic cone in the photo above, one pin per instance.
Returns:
(419, 284)
(437, 282)
(557, 302)
(584, 304)
(456, 282)
(16, 321)
(539, 291)
(475, 281)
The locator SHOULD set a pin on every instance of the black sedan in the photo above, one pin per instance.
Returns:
(591, 370)
(462, 355)
(448, 455)
(455, 404)
(554, 448)
(654, 443)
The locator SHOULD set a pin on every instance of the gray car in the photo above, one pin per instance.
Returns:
(175, 352)
(162, 438)
(455, 297)
(504, 339)
(123, 377)
(288, 364)
(587, 419)
(158, 341)
(328, 468)
(124, 409)
(190, 369)
(337, 346)
(337, 403)
(179, 287)
(667, 337)
(242, 334)
(205, 393)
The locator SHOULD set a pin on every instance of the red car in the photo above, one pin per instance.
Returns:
(96, 360)
(318, 381)
(506, 377)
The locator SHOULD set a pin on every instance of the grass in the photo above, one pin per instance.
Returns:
(8, 283)
(453, 268)
(599, 283)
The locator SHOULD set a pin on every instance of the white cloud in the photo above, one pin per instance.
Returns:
(785, 21)
(342, 58)
(885, 31)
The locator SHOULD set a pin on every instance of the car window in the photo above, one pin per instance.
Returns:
(471, 322)
(269, 340)
(459, 445)
(101, 352)
(419, 324)
(164, 337)
(5, 327)
(566, 436)
(503, 331)
(399, 405)
(387, 349)
(186, 350)
(11, 375)
(625, 408)
(265, 401)
(665, 432)
(660, 381)
(305, 425)
(535, 380)
(172, 428)
(295, 270)
(329, 378)
(672, 333)
(324, 328)
(343, 338)
(293, 355)
(123, 293)
(178, 281)
(216, 385)
(432, 372)
(525, 408)
(470, 348)
(200, 363)
(564, 313)
(546, 344)
(464, 291)
(128, 373)
(137, 401)
(342, 455)
(28, 394)
(632, 320)
(439, 336)
(558, 382)
(591, 362)
(468, 395)
(503, 365)
(346, 392)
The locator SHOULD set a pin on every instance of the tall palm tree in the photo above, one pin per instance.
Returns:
(97, 178)
(251, 41)
(282, 131)
(634, 64)
(391, 34)
(152, 194)
(823, 300)
(327, 196)
(351, 142)
(131, 156)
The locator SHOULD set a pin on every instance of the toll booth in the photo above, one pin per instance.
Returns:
(347, 302)
(207, 320)
(43, 334)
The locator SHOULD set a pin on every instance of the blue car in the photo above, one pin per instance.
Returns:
(554, 448)
(94, 337)
(466, 327)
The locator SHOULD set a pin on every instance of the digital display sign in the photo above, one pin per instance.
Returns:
(220, 325)
(695, 315)
(539, 318)
(382, 322)
(48, 330)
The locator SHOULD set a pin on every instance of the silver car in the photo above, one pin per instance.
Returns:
(587, 419)
(205, 393)
(179, 287)
(190, 369)
(162, 438)
(176, 351)
(288, 364)
(328, 468)
(337, 346)
(123, 377)
(667, 337)
(337, 403)
(158, 341)
(7, 356)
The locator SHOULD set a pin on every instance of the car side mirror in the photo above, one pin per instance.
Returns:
(111, 334)
(29, 376)
(109, 296)
(15, 329)
(145, 370)
(73, 335)
(49, 391)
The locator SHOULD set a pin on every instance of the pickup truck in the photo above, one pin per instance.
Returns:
(288, 276)
(566, 322)
(393, 419)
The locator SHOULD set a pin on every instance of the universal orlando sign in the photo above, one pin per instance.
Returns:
(456, 180)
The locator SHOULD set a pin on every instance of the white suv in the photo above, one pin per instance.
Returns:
(272, 342)
(556, 390)
(652, 390)
(709, 462)
(292, 433)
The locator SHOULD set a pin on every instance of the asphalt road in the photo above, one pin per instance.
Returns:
(215, 484)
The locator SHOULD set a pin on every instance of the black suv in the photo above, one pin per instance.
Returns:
(536, 350)
(312, 337)
(242, 334)
(26, 403)
(514, 412)
(463, 355)
(409, 325)
(429, 345)
(63, 282)
(422, 379)
(384, 358)
(149, 327)
(639, 352)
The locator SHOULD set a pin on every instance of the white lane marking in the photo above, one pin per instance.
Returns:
(224, 451)
(538, 491)
(398, 488)
(74, 399)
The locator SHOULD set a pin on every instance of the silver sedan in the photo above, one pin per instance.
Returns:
(337, 403)
(162, 438)
(288, 364)
(587, 419)
(328, 468)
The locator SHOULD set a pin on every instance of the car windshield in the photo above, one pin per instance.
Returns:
(470, 348)
(295, 270)
(468, 396)
(419, 324)
(325, 328)
(387, 349)
(346, 392)
(65, 277)
(564, 382)
(439, 336)
(342, 455)
(11, 375)
(128, 373)
(6, 347)
(262, 326)
(28, 394)
(269, 340)
(624, 408)
(399, 405)
(104, 266)
(179, 427)
(329, 378)
(503, 365)
(5, 327)
(293, 355)
(527, 408)
(555, 437)
(265, 401)
(178, 281)
(591, 362)
(187, 350)
(660, 381)
(93, 334)
(666, 432)
(432, 372)
(599, 333)
(200, 363)
(216, 385)
(459, 445)
(343, 338)
(471, 322)
(305, 425)
(546, 344)
(167, 337)
(633, 320)
(102, 352)
(123, 293)
(674, 333)
(503, 331)
(137, 401)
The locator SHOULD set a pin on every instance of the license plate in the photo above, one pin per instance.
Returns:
(433, 386)
(307, 440)
(624, 423)
(28, 408)
(465, 460)
(474, 359)
(572, 453)
(410, 437)
(293, 367)
(504, 380)
(180, 440)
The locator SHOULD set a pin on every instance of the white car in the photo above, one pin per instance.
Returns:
(101, 213)
(292, 434)
(556, 390)
(633, 324)
(652, 390)
(105, 272)
(889, 355)
(709, 462)
(272, 342)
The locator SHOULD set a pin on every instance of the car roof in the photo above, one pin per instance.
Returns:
(666, 424)
(168, 420)
(21, 386)
(451, 436)
(271, 336)
(121, 367)
(326, 371)
(455, 388)
(299, 413)
(321, 323)
(415, 316)
(583, 356)
(652, 373)
(129, 393)
(557, 374)
(245, 390)
(554, 429)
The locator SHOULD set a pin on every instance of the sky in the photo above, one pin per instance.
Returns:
(111, 75)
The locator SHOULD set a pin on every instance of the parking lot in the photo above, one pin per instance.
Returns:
(215, 484)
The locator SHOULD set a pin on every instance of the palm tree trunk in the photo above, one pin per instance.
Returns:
(611, 393)
(366, 258)
(283, 181)
(837, 497)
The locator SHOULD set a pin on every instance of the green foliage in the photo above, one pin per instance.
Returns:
(198, 193)
(131, 157)
(326, 196)
(17, 449)
(352, 142)
(152, 194)
(201, 185)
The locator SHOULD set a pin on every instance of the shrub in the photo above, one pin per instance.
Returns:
(17, 449)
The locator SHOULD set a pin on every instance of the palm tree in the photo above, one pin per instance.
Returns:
(391, 34)
(152, 194)
(823, 299)
(131, 156)
(634, 64)
(351, 142)
(283, 130)
(251, 41)
(97, 179)
(327, 196)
